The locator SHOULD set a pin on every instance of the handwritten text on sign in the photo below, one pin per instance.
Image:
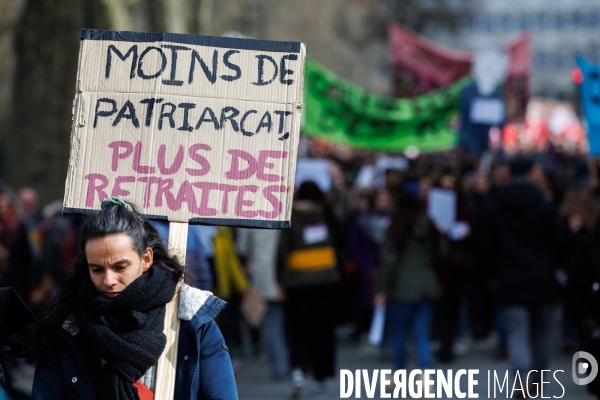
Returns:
(186, 131)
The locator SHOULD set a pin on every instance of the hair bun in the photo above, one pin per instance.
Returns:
(115, 201)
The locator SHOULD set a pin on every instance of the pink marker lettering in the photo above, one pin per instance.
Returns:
(277, 207)
(240, 203)
(149, 181)
(263, 164)
(137, 156)
(206, 187)
(186, 195)
(94, 187)
(235, 172)
(163, 189)
(203, 162)
(162, 150)
(116, 155)
(118, 190)
(226, 189)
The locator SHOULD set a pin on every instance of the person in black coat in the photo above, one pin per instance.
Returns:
(582, 297)
(523, 235)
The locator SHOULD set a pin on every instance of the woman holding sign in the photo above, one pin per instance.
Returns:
(103, 335)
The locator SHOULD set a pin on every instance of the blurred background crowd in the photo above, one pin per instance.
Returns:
(513, 250)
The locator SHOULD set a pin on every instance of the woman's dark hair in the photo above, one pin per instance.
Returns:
(111, 220)
(309, 190)
(521, 165)
(408, 210)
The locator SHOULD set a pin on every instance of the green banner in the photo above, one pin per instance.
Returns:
(340, 112)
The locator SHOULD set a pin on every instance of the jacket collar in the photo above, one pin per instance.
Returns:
(193, 301)
(208, 311)
(190, 301)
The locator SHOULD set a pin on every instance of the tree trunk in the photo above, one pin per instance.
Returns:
(37, 141)
(10, 10)
(174, 16)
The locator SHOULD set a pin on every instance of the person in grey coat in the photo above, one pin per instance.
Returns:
(259, 247)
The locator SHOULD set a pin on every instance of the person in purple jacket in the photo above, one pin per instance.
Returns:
(367, 235)
(103, 335)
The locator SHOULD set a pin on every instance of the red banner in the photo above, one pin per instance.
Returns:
(419, 65)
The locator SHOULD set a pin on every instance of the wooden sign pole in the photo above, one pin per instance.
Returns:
(167, 363)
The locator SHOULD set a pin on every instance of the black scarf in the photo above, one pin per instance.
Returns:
(127, 331)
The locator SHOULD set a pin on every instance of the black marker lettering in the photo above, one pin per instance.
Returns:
(268, 123)
(127, 112)
(261, 67)
(99, 113)
(245, 132)
(212, 118)
(230, 117)
(140, 71)
(233, 67)
(186, 110)
(150, 108)
(283, 71)
(282, 115)
(174, 49)
(132, 50)
(211, 76)
(169, 115)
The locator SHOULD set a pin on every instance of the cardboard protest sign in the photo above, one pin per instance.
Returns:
(188, 128)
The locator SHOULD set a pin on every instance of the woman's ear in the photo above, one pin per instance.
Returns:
(147, 259)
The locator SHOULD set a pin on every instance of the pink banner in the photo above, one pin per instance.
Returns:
(419, 65)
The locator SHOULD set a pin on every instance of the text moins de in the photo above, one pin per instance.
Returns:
(267, 70)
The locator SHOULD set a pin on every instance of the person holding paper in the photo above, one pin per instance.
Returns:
(102, 336)
(455, 272)
(367, 234)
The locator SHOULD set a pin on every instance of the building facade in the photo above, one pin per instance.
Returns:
(560, 30)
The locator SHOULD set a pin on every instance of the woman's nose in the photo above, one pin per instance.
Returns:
(110, 278)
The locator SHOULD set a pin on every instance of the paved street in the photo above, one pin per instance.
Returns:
(254, 383)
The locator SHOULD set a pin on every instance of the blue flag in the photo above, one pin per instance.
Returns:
(590, 98)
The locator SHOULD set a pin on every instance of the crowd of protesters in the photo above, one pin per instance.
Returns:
(37, 245)
(522, 260)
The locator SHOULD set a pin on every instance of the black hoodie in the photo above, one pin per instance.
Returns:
(523, 228)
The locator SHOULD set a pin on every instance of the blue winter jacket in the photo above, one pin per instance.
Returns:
(204, 368)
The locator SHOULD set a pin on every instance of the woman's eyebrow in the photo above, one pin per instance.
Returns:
(124, 260)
